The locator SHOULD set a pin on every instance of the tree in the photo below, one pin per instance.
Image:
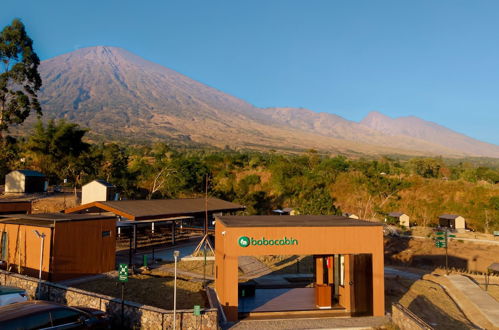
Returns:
(57, 148)
(19, 80)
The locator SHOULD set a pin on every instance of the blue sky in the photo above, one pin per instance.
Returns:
(435, 59)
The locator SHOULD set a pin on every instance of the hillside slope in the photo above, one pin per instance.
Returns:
(119, 95)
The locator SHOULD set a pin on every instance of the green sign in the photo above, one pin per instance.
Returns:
(440, 238)
(245, 241)
(439, 233)
(452, 235)
(440, 244)
(197, 310)
(123, 273)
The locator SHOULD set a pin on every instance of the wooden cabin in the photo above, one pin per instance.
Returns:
(74, 245)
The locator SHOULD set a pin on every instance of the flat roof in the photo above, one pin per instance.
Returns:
(159, 208)
(15, 201)
(49, 219)
(294, 221)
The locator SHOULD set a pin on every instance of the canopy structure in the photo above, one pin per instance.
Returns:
(159, 208)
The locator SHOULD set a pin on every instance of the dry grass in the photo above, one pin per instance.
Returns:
(195, 266)
(153, 291)
(423, 253)
(427, 300)
(54, 203)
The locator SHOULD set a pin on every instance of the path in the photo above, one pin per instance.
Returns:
(478, 306)
(312, 323)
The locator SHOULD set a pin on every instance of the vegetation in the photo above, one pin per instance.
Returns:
(311, 183)
(19, 80)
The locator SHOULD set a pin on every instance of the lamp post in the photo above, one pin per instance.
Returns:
(176, 253)
(42, 237)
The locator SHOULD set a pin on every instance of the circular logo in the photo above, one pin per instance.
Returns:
(243, 241)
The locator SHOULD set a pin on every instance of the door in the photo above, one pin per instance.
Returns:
(362, 284)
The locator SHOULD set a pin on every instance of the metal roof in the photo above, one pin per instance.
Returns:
(29, 173)
(159, 208)
(49, 219)
(395, 214)
(448, 216)
(102, 182)
(294, 221)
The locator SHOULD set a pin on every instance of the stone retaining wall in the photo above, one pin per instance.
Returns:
(137, 316)
(407, 320)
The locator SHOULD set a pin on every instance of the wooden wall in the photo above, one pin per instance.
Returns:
(81, 249)
(15, 207)
(24, 249)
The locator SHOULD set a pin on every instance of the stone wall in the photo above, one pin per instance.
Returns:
(136, 316)
(407, 320)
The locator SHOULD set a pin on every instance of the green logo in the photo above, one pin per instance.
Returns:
(244, 241)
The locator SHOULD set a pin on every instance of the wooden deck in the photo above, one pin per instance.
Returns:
(267, 302)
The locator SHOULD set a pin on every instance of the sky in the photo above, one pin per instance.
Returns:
(434, 59)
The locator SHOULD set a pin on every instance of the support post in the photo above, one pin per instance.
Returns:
(173, 232)
(134, 238)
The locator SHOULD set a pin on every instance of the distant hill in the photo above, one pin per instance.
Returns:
(119, 95)
(418, 128)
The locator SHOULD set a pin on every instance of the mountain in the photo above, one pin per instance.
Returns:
(418, 128)
(119, 95)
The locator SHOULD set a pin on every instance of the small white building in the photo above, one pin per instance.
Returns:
(402, 218)
(350, 215)
(25, 181)
(97, 191)
(453, 221)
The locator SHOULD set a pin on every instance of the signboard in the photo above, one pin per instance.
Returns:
(440, 244)
(123, 273)
(245, 241)
(197, 310)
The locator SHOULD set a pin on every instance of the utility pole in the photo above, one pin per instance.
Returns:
(176, 253)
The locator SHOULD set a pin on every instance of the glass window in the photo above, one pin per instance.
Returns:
(64, 316)
(342, 270)
(26, 322)
(5, 246)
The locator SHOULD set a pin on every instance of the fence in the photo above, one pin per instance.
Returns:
(136, 316)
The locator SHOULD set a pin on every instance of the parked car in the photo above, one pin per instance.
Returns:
(38, 314)
(11, 294)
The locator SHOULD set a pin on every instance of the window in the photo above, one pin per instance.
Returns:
(64, 316)
(31, 321)
(4, 246)
(342, 270)
(106, 233)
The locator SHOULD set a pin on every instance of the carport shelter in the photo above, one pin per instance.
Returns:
(74, 245)
(348, 256)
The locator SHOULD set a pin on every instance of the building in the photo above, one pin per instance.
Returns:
(97, 191)
(173, 213)
(25, 181)
(348, 258)
(350, 215)
(15, 206)
(402, 219)
(74, 245)
(453, 221)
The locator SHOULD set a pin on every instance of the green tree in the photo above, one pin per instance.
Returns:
(20, 80)
(57, 148)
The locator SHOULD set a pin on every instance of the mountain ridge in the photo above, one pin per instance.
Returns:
(113, 91)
